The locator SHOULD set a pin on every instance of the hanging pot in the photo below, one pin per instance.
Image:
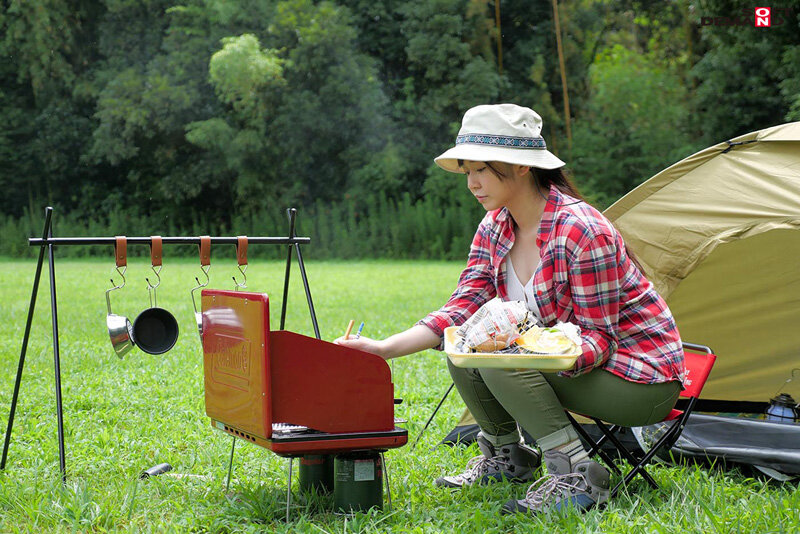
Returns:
(155, 330)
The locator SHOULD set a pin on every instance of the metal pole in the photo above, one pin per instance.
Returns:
(31, 307)
(289, 489)
(170, 240)
(446, 393)
(57, 360)
(291, 213)
(386, 475)
(308, 291)
(230, 465)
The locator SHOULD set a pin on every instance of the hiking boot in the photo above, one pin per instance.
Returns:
(515, 462)
(581, 486)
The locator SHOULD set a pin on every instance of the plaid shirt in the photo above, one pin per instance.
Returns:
(585, 277)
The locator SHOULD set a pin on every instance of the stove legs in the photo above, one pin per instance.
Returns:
(386, 476)
(289, 489)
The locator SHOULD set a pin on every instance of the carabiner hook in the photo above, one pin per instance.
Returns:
(151, 289)
(205, 265)
(205, 269)
(243, 285)
(115, 286)
(241, 260)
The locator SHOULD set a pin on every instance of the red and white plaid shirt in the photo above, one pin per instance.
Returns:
(585, 277)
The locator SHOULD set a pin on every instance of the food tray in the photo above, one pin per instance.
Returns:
(542, 362)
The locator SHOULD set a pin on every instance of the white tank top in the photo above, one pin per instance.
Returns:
(517, 291)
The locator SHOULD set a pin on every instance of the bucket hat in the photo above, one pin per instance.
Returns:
(500, 132)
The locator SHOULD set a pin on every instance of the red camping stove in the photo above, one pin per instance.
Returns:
(298, 396)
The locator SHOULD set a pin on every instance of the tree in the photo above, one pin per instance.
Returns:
(634, 127)
(738, 76)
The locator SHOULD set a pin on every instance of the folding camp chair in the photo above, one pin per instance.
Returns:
(699, 360)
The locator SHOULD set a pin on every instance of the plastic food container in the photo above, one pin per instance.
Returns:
(542, 362)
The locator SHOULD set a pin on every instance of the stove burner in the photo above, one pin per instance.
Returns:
(287, 428)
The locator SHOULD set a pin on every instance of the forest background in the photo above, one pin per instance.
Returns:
(144, 117)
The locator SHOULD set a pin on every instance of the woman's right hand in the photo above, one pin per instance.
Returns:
(366, 344)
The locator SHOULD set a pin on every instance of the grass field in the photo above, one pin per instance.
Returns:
(122, 416)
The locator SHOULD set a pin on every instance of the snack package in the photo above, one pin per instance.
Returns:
(496, 325)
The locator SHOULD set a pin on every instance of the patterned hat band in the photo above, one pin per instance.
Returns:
(501, 141)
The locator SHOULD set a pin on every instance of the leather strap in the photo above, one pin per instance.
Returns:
(155, 250)
(121, 251)
(241, 250)
(205, 250)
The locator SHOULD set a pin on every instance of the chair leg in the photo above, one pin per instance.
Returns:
(666, 439)
(599, 443)
(638, 466)
(601, 453)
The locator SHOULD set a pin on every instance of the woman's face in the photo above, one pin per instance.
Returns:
(490, 190)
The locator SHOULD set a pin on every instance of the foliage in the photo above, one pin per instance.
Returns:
(204, 113)
(738, 75)
(628, 132)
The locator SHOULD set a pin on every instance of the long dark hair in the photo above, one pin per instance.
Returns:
(542, 180)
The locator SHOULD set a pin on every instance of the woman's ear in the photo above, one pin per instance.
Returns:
(521, 170)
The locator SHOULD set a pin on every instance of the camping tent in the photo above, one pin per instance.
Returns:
(718, 234)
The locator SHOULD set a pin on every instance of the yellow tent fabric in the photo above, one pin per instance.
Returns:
(719, 236)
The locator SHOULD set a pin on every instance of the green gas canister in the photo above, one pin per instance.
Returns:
(359, 481)
(316, 473)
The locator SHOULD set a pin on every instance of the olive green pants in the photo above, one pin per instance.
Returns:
(499, 399)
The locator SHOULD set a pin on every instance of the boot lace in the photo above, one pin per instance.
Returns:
(552, 486)
(480, 465)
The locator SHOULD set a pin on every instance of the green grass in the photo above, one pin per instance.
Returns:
(124, 416)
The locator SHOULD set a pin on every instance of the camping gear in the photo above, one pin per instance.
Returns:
(316, 473)
(47, 244)
(359, 482)
(718, 235)
(156, 470)
(699, 362)
(782, 409)
(302, 395)
(120, 329)
(241, 261)
(772, 447)
(205, 265)
(155, 330)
